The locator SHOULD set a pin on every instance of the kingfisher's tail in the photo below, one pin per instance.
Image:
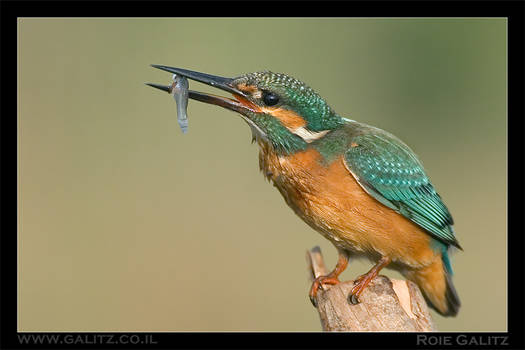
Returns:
(435, 281)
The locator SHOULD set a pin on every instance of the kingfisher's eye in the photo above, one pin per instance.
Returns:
(270, 99)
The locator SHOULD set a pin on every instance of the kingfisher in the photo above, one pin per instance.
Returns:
(360, 187)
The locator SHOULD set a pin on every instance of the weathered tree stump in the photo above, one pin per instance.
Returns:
(385, 305)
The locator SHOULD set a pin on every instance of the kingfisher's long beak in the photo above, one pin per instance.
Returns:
(240, 104)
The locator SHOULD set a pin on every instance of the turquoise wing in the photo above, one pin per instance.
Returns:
(390, 172)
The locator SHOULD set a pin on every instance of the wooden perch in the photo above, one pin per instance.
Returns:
(385, 305)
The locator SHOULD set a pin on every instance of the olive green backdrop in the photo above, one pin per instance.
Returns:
(126, 224)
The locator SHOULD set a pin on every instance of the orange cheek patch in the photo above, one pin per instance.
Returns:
(247, 88)
(247, 103)
(288, 118)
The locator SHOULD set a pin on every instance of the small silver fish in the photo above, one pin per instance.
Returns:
(179, 89)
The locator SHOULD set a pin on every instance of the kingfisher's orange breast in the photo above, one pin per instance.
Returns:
(330, 200)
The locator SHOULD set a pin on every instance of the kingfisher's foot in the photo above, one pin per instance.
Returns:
(359, 286)
(318, 283)
(363, 281)
(331, 278)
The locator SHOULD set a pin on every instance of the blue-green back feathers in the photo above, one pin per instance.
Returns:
(390, 172)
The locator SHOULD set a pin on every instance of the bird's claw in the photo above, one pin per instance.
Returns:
(314, 301)
(353, 299)
(318, 284)
(360, 283)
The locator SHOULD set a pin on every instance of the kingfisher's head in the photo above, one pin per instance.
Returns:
(280, 110)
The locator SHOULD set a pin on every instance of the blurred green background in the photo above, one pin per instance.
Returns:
(128, 225)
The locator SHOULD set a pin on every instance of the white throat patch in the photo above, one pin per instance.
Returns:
(307, 135)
